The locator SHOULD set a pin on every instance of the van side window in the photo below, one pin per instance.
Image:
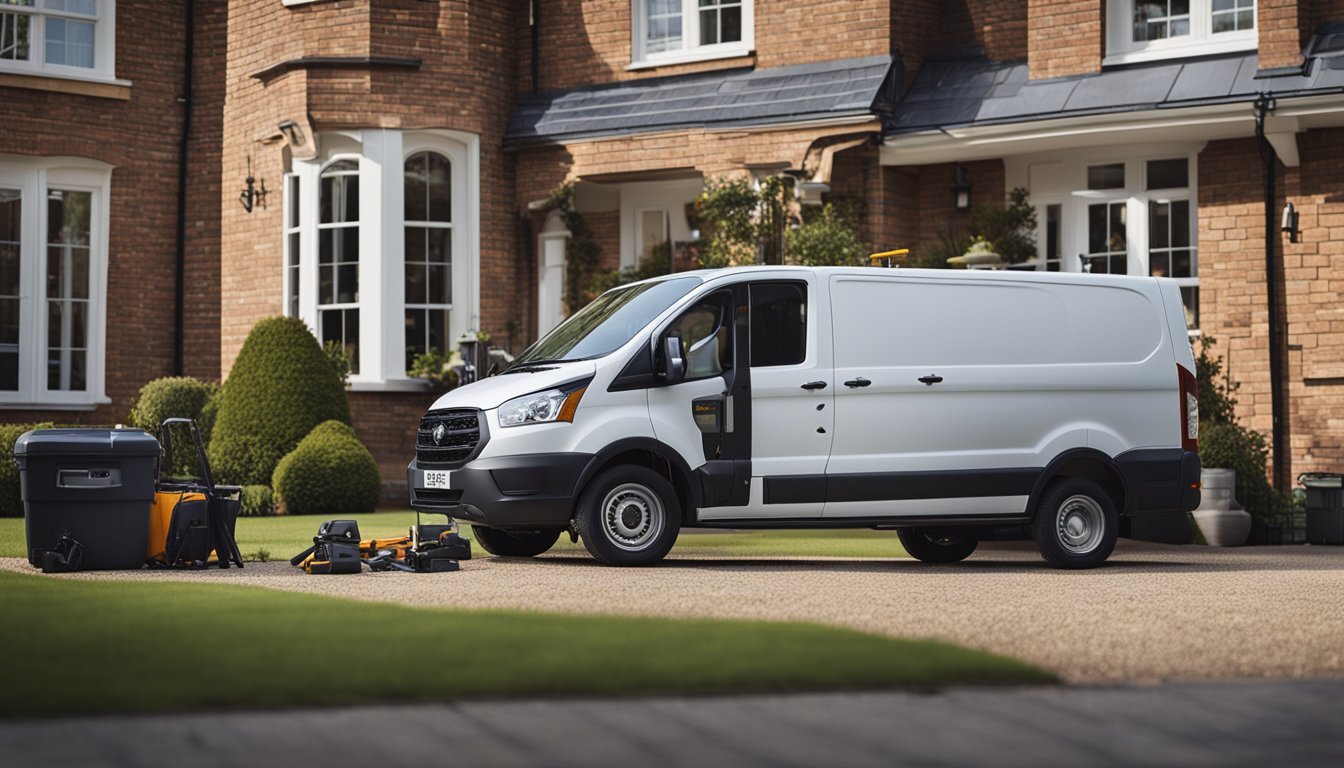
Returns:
(778, 324)
(706, 334)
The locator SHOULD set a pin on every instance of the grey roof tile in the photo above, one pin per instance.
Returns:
(735, 97)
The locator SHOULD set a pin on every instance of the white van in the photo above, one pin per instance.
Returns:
(941, 404)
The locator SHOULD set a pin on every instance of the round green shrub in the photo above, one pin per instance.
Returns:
(256, 501)
(281, 386)
(329, 473)
(175, 397)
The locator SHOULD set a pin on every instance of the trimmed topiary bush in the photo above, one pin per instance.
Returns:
(256, 501)
(329, 473)
(281, 386)
(175, 397)
(11, 498)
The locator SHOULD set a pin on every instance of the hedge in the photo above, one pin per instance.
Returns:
(281, 386)
(180, 397)
(11, 498)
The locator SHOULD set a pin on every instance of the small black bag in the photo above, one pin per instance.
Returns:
(335, 557)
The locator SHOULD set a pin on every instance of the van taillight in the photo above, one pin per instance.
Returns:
(1189, 409)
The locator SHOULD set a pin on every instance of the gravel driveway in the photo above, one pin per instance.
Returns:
(1152, 613)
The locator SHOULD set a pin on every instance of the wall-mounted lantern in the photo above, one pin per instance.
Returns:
(1289, 226)
(961, 189)
(252, 195)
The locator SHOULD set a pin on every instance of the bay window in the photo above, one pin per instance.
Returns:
(671, 31)
(380, 241)
(1142, 30)
(53, 274)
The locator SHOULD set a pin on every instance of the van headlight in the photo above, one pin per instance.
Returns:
(541, 407)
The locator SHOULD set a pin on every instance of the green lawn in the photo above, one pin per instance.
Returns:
(283, 537)
(105, 647)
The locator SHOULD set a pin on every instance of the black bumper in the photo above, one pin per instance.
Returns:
(507, 492)
(1161, 487)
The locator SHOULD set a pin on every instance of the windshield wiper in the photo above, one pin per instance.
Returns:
(532, 365)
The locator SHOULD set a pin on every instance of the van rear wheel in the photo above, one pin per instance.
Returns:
(1076, 524)
(628, 515)
(515, 543)
(938, 545)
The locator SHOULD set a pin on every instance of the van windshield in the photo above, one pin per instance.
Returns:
(607, 323)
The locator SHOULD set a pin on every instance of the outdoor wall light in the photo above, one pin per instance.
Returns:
(961, 189)
(292, 132)
(1289, 226)
(252, 195)
(810, 192)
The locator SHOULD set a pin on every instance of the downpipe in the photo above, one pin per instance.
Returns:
(1264, 105)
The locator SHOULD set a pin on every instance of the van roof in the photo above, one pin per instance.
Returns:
(1008, 275)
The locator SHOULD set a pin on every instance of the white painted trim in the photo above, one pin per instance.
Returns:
(690, 31)
(1201, 41)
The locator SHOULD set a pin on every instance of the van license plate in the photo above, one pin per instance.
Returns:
(438, 479)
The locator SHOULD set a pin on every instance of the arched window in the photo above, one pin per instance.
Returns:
(338, 257)
(429, 253)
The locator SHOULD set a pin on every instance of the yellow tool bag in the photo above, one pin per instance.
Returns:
(192, 520)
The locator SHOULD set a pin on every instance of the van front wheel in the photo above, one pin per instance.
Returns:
(1075, 524)
(628, 515)
(934, 545)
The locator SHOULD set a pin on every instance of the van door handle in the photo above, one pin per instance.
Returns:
(815, 385)
(930, 379)
(859, 382)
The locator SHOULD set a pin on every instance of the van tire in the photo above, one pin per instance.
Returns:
(934, 545)
(1076, 524)
(628, 515)
(518, 543)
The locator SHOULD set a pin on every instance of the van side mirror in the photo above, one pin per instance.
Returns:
(674, 366)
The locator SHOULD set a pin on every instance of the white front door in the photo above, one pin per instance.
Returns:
(551, 283)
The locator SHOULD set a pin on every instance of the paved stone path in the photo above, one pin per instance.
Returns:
(1152, 613)
(1298, 724)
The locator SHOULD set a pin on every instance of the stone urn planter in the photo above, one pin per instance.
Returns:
(1222, 521)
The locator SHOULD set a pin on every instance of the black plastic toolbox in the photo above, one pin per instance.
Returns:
(95, 486)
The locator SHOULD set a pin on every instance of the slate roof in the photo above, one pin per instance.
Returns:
(740, 97)
(958, 92)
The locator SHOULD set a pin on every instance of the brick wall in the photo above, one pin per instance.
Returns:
(1065, 37)
(998, 26)
(140, 138)
(937, 216)
(1281, 26)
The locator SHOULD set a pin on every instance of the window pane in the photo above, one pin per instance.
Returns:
(326, 285)
(292, 192)
(352, 337)
(342, 326)
(440, 285)
(10, 222)
(1180, 224)
(1190, 296)
(326, 246)
(69, 42)
(348, 249)
(1106, 176)
(440, 188)
(778, 324)
(1096, 228)
(65, 370)
(1168, 174)
(1180, 264)
(1159, 225)
(709, 27)
(440, 245)
(1052, 255)
(68, 217)
(9, 323)
(415, 335)
(437, 329)
(730, 25)
(14, 37)
(347, 284)
(294, 251)
(414, 187)
(1119, 237)
(417, 276)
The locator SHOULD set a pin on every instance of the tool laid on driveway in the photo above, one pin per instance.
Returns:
(337, 548)
(192, 520)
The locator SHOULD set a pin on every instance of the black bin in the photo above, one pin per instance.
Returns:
(95, 486)
(1325, 507)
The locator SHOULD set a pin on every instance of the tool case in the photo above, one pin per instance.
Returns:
(192, 520)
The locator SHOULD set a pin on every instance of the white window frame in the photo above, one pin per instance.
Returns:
(382, 154)
(33, 177)
(690, 50)
(104, 43)
(456, 162)
(1061, 178)
(1121, 48)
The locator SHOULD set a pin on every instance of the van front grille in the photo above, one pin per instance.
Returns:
(457, 440)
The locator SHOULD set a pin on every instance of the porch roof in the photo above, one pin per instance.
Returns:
(963, 91)
(826, 90)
